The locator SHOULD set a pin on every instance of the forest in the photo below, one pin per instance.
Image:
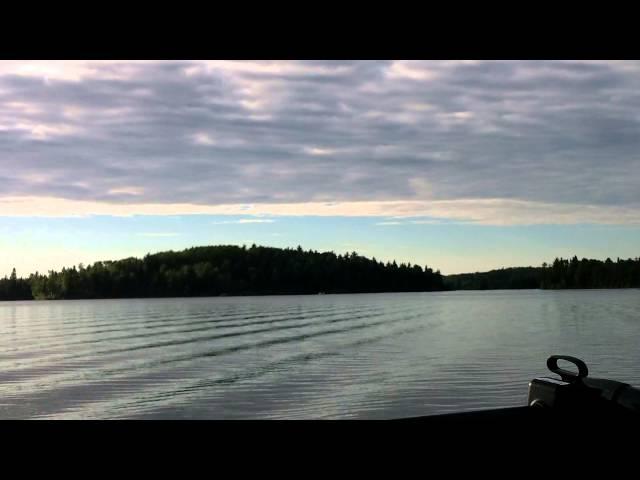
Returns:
(504, 278)
(233, 270)
(561, 274)
(224, 270)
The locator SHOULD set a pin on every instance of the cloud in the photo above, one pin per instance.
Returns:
(481, 211)
(479, 218)
(203, 139)
(426, 222)
(255, 220)
(319, 151)
(497, 141)
(158, 234)
(244, 221)
(125, 191)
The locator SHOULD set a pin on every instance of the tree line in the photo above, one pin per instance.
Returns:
(14, 288)
(588, 273)
(233, 270)
(504, 278)
(224, 270)
(561, 274)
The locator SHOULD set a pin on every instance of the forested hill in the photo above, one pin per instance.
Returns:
(561, 274)
(224, 270)
(233, 270)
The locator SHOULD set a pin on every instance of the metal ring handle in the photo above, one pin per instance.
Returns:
(566, 375)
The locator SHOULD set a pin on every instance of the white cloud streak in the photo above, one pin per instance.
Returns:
(158, 234)
(243, 221)
(480, 211)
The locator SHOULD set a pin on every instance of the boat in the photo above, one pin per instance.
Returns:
(573, 397)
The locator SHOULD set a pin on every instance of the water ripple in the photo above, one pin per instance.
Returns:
(330, 356)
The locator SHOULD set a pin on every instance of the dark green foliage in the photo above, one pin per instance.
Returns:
(14, 288)
(588, 273)
(560, 274)
(232, 270)
(505, 278)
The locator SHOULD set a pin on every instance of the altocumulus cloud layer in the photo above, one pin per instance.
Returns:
(492, 142)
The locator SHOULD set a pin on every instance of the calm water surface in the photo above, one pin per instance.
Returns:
(323, 356)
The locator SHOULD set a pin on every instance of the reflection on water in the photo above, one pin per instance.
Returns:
(329, 356)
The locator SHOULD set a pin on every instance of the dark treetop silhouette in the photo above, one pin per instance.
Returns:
(233, 270)
(225, 270)
(560, 274)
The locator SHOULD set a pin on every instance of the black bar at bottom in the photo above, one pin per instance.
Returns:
(520, 415)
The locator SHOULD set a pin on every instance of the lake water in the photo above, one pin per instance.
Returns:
(323, 356)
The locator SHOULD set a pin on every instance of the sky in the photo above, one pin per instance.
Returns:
(459, 165)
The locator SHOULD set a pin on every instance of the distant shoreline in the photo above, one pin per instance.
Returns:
(44, 300)
(230, 270)
(224, 270)
(230, 296)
